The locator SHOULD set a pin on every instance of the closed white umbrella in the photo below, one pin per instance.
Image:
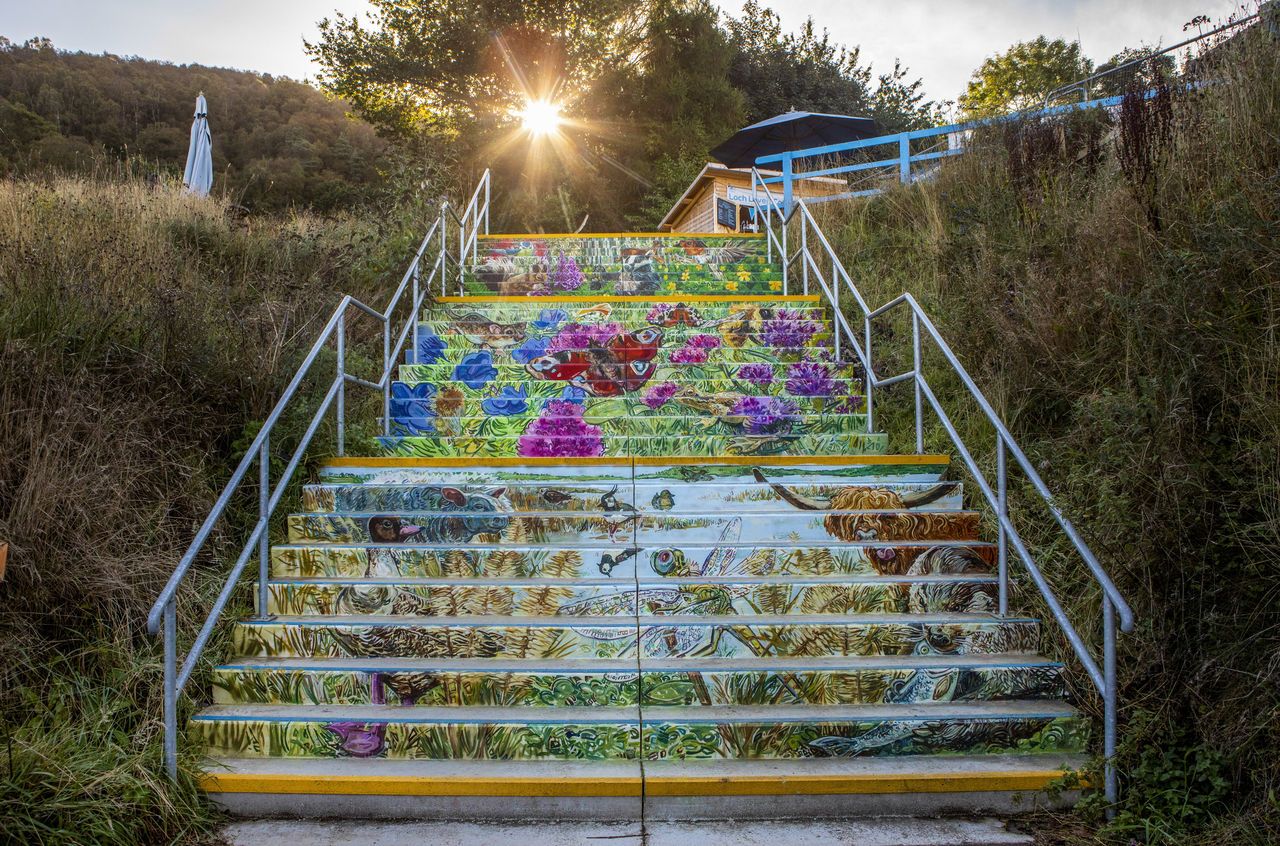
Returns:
(198, 177)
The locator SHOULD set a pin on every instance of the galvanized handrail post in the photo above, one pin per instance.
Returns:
(340, 405)
(869, 381)
(444, 251)
(486, 201)
(1002, 512)
(835, 290)
(1109, 716)
(915, 383)
(413, 305)
(264, 545)
(386, 383)
(170, 637)
(804, 253)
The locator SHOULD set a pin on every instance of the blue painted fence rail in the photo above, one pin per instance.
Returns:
(904, 158)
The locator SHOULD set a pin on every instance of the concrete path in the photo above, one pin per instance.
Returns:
(884, 831)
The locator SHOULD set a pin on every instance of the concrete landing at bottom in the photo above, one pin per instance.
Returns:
(867, 832)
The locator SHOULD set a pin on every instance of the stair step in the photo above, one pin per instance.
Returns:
(611, 637)
(581, 560)
(540, 683)
(480, 523)
(836, 594)
(742, 497)
(621, 446)
(667, 732)
(739, 789)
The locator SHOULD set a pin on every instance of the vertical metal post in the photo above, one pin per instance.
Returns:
(486, 202)
(904, 158)
(264, 498)
(915, 353)
(171, 689)
(786, 258)
(386, 368)
(413, 304)
(462, 252)
(786, 185)
(868, 377)
(835, 292)
(804, 252)
(444, 252)
(1002, 511)
(1109, 703)
(341, 403)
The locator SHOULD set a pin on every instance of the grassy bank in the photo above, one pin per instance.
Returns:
(143, 335)
(1114, 287)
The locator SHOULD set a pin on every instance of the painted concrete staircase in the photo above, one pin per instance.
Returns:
(631, 550)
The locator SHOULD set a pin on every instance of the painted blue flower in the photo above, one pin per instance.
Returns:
(549, 319)
(511, 401)
(572, 394)
(476, 370)
(413, 408)
(529, 350)
(430, 347)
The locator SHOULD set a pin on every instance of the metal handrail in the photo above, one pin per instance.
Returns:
(163, 615)
(1113, 602)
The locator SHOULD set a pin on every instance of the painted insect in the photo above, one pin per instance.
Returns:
(623, 365)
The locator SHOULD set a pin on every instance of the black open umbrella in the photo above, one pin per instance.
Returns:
(792, 131)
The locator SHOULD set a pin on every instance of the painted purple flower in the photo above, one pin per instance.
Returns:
(787, 329)
(689, 355)
(703, 342)
(580, 336)
(658, 314)
(659, 395)
(560, 432)
(810, 379)
(765, 415)
(567, 276)
(760, 375)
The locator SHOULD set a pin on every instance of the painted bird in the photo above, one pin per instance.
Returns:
(617, 514)
(663, 500)
(390, 529)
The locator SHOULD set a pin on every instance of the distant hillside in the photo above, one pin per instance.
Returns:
(276, 142)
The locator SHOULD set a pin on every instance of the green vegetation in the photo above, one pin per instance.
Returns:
(276, 143)
(1113, 287)
(142, 334)
(1022, 76)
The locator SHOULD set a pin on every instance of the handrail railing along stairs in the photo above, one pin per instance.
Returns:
(769, 210)
(164, 616)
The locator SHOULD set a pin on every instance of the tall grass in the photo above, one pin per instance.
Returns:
(1114, 287)
(143, 335)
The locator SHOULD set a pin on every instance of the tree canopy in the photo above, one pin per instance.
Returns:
(1022, 76)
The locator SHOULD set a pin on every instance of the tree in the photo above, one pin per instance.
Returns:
(1023, 76)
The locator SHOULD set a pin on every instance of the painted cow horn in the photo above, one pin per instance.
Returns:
(792, 497)
(932, 494)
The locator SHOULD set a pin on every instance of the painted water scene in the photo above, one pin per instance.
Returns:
(516, 422)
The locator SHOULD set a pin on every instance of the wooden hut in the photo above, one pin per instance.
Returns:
(719, 200)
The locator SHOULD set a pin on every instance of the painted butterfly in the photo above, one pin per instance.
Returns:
(624, 364)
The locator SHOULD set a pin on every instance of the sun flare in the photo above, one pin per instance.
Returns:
(540, 117)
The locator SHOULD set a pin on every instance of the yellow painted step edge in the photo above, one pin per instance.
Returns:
(677, 785)
(664, 298)
(643, 460)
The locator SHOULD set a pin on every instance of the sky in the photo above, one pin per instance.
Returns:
(940, 41)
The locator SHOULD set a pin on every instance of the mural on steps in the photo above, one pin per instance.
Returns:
(642, 266)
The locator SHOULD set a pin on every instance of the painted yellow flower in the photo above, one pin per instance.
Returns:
(744, 275)
(731, 286)
(671, 286)
(684, 277)
(775, 286)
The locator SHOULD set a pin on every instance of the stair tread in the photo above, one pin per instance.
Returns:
(904, 712)
(838, 579)
(673, 664)
(628, 620)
